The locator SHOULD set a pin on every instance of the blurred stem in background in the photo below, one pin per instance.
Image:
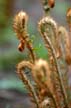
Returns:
(6, 10)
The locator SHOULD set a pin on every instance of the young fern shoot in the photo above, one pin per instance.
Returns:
(49, 31)
(20, 27)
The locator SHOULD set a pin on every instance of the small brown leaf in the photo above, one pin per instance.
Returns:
(21, 47)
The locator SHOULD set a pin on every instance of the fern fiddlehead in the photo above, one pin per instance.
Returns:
(20, 27)
(48, 29)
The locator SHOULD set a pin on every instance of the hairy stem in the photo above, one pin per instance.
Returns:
(24, 79)
(58, 70)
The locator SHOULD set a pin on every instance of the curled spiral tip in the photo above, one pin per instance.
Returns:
(20, 22)
(44, 21)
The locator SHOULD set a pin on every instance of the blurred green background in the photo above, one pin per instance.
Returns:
(9, 54)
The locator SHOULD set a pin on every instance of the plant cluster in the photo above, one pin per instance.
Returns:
(50, 88)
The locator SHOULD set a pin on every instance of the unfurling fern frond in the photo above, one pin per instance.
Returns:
(20, 27)
(48, 30)
(26, 81)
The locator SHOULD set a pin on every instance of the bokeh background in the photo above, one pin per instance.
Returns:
(11, 88)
